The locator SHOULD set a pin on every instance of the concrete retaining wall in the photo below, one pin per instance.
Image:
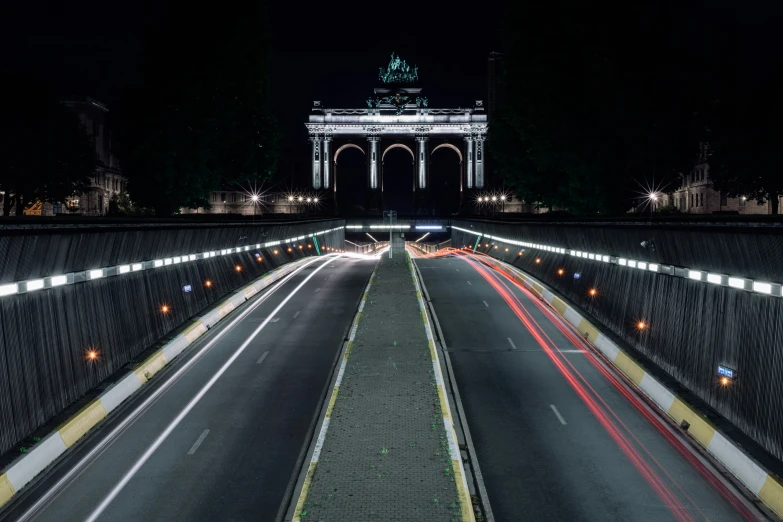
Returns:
(691, 326)
(45, 335)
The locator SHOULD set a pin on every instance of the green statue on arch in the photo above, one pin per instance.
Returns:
(398, 71)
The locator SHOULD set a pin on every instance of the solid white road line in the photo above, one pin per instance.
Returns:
(514, 346)
(261, 359)
(198, 442)
(485, 304)
(559, 417)
(102, 445)
(297, 314)
(192, 404)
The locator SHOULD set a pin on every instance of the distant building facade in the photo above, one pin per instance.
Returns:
(696, 194)
(236, 200)
(108, 180)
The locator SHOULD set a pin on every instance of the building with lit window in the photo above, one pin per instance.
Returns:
(696, 194)
(108, 180)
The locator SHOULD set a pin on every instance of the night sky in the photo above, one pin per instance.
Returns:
(327, 51)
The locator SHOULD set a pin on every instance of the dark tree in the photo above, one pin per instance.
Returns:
(45, 153)
(745, 136)
(202, 117)
(599, 101)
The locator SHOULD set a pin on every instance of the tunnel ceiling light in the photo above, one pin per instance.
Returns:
(695, 275)
(124, 269)
(714, 278)
(762, 288)
(35, 284)
(95, 274)
(59, 280)
(736, 282)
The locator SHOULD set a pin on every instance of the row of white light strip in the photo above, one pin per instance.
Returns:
(98, 273)
(741, 283)
(378, 227)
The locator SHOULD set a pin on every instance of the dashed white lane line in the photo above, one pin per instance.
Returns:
(471, 284)
(317, 290)
(274, 320)
(297, 314)
(485, 304)
(198, 442)
(261, 359)
(514, 346)
(559, 417)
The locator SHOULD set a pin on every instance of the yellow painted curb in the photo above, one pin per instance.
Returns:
(699, 428)
(150, 366)
(466, 504)
(433, 355)
(559, 305)
(348, 349)
(194, 331)
(772, 495)
(74, 428)
(6, 490)
(586, 327)
(444, 406)
(629, 367)
(332, 400)
(305, 490)
(225, 308)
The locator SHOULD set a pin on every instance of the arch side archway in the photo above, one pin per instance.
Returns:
(337, 154)
(448, 146)
(347, 146)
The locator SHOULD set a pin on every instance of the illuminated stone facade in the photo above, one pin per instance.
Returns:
(415, 128)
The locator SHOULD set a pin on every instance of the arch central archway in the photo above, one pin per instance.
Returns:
(396, 196)
(398, 146)
(447, 196)
(337, 154)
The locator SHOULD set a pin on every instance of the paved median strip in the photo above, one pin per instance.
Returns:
(761, 483)
(386, 448)
(25, 468)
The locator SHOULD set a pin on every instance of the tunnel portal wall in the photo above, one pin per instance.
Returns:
(45, 335)
(693, 326)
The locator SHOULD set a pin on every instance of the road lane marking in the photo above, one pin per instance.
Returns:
(559, 417)
(514, 346)
(485, 304)
(297, 314)
(96, 513)
(274, 320)
(317, 290)
(261, 359)
(198, 442)
(470, 283)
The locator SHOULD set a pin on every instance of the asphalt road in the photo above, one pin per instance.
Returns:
(234, 453)
(548, 426)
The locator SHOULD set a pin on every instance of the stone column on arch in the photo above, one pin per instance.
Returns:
(315, 159)
(479, 153)
(372, 161)
(469, 161)
(327, 160)
(422, 161)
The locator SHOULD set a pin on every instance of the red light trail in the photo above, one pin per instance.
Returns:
(610, 421)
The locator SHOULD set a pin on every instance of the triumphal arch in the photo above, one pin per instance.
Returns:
(397, 115)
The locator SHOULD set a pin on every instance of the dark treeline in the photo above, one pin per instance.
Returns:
(602, 100)
(201, 118)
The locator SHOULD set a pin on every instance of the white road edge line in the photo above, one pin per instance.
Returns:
(195, 400)
(297, 314)
(109, 439)
(559, 417)
(514, 346)
(261, 359)
(198, 442)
